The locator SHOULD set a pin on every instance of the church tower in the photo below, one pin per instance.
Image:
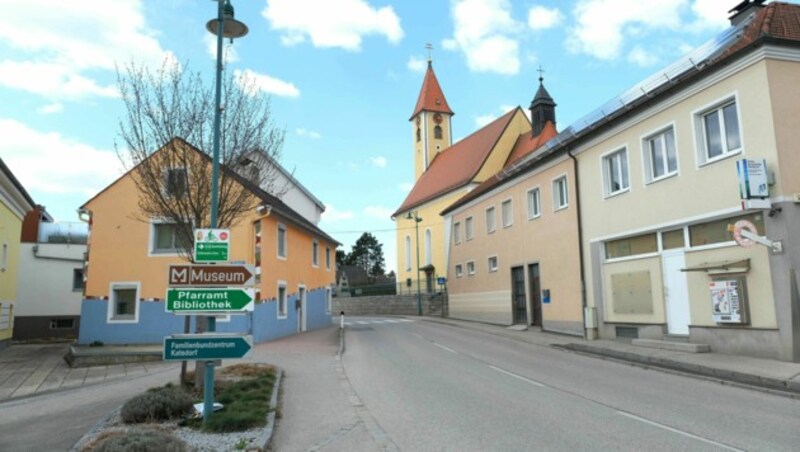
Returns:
(430, 123)
(543, 109)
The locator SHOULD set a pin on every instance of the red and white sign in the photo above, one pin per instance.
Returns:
(744, 225)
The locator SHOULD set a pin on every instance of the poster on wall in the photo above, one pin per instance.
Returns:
(725, 301)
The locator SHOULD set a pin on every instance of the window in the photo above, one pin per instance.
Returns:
(165, 238)
(471, 268)
(437, 132)
(62, 324)
(468, 228)
(4, 260)
(123, 305)
(428, 247)
(419, 135)
(717, 231)
(534, 203)
(490, 227)
(283, 309)
(328, 300)
(327, 258)
(631, 246)
(175, 182)
(615, 172)
(660, 156)
(672, 239)
(457, 233)
(493, 264)
(459, 270)
(720, 132)
(560, 195)
(77, 280)
(282, 241)
(507, 212)
(408, 253)
(315, 253)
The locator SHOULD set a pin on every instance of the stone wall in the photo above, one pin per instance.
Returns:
(386, 305)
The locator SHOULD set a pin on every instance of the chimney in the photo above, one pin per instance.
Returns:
(744, 10)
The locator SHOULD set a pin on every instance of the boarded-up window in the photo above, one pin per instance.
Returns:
(631, 246)
(631, 293)
(717, 231)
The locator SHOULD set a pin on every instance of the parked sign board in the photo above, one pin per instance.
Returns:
(194, 300)
(211, 275)
(206, 346)
(212, 245)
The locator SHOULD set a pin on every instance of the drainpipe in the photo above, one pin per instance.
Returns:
(580, 240)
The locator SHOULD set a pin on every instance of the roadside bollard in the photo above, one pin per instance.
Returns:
(341, 320)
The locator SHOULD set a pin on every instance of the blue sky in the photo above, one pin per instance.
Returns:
(344, 76)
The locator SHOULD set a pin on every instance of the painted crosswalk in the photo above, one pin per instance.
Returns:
(376, 321)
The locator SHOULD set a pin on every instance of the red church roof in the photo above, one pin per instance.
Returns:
(431, 97)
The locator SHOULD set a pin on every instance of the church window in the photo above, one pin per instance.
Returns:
(419, 134)
(437, 132)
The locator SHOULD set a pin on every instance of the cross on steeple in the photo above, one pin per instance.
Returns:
(540, 71)
(429, 47)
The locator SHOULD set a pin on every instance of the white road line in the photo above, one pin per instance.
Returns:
(445, 348)
(361, 322)
(392, 321)
(518, 377)
(680, 432)
(406, 320)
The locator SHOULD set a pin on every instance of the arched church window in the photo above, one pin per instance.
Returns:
(437, 132)
(419, 134)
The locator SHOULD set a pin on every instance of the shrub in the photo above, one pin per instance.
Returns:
(141, 441)
(158, 404)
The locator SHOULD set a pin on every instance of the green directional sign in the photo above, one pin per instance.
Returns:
(206, 346)
(211, 245)
(195, 300)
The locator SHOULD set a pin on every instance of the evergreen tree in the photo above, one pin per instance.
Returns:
(367, 253)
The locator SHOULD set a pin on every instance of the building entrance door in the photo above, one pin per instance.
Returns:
(676, 293)
(301, 309)
(518, 303)
(536, 294)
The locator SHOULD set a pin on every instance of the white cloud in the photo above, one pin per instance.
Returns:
(48, 109)
(379, 212)
(332, 214)
(67, 44)
(52, 163)
(308, 133)
(331, 23)
(379, 161)
(482, 120)
(405, 187)
(229, 53)
(711, 13)
(484, 32)
(252, 82)
(640, 57)
(417, 64)
(543, 18)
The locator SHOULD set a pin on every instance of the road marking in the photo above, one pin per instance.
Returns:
(518, 377)
(680, 432)
(361, 322)
(445, 348)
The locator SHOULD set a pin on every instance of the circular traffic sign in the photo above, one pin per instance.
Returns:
(740, 226)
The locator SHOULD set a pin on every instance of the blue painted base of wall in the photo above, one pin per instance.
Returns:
(154, 322)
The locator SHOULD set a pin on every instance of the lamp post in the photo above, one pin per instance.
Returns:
(414, 216)
(224, 26)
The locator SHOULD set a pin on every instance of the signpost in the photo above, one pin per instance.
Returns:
(208, 275)
(194, 300)
(206, 347)
(211, 245)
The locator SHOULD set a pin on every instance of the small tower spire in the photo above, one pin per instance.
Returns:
(543, 108)
(429, 48)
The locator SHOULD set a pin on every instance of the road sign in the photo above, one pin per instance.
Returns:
(211, 275)
(211, 245)
(441, 281)
(193, 300)
(206, 346)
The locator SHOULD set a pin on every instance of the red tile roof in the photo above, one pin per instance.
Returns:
(457, 165)
(777, 20)
(431, 97)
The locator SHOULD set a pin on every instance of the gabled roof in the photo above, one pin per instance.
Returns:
(778, 20)
(431, 97)
(524, 146)
(457, 165)
(15, 182)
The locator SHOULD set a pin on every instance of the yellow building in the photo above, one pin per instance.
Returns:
(14, 204)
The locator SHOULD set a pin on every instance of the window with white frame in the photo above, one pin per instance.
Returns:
(471, 268)
(315, 253)
(615, 172)
(490, 223)
(660, 155)
(720, 132)
(77, 280)
(534, 203)
(428, 247)
(283, 309)
(560, 193)
(408, 253)
(327, 258)
(507, 213)
(459, 270)
(468, 228)
(165, 237)
(492, 263)
(457, 232)
(282, 245)
(175, 182)
(123, 303)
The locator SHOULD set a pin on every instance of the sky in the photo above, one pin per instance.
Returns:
(343, 76)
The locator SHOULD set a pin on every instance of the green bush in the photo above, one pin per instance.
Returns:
(141, 441)
(158, 404)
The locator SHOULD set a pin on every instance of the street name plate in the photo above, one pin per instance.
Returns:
(206, 346)
(194, 300)
(211, 245)
(211, 275)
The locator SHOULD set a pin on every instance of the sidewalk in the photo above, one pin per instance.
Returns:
(765, 374)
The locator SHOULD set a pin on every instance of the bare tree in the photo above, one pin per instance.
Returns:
(169, 118)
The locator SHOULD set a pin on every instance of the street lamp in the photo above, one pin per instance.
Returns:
(414, 216)
(224, 26)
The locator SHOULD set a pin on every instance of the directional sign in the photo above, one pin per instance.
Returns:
(191, 300)
(211, 275)
(211, 245)
(206, 346)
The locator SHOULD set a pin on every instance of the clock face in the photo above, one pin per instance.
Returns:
(437, 118)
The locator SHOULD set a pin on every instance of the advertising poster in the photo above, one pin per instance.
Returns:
(725, 306)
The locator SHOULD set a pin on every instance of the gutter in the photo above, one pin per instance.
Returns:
(580, 239)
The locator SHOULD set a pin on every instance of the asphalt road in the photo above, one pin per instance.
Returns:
(434, 387)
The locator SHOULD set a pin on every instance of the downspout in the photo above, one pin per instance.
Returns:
(580, 240)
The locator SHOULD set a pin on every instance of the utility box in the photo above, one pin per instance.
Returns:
(729, 300)
(590, 317)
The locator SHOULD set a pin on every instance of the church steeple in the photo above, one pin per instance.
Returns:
(431, 123)
(543, 108)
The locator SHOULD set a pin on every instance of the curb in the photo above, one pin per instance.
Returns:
(774, 385)
(266, 437)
